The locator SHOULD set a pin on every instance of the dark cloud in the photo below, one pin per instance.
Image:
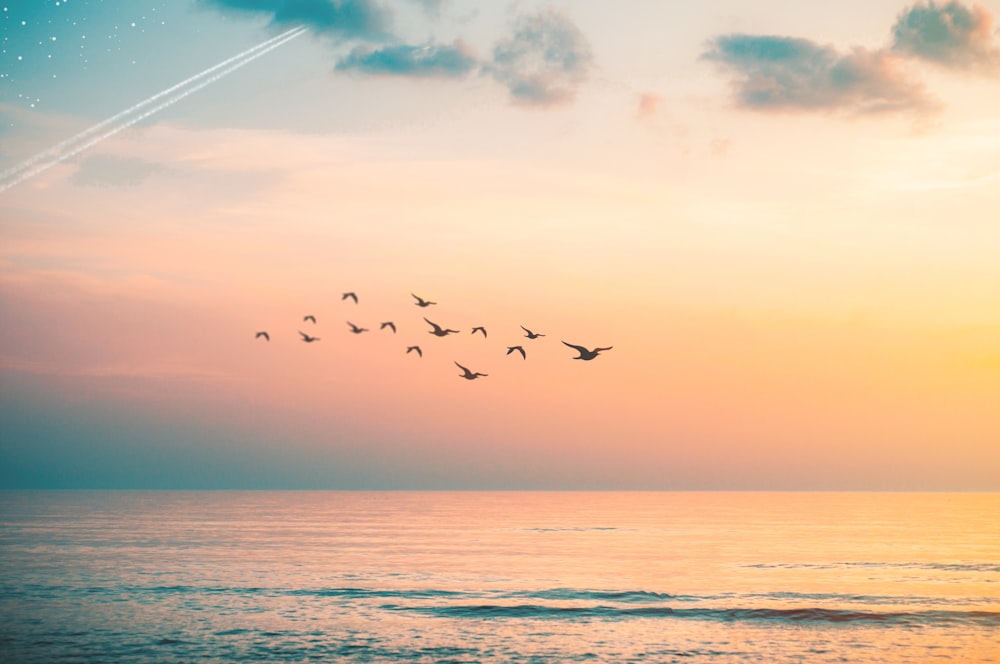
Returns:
(545, 60)
(431, 60)
(363, 19)
(773, 72)
(951, 34)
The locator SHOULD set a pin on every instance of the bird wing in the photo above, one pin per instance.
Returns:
(581, 349)
(597, 350)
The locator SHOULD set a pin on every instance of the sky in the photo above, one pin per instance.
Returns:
(782, 220)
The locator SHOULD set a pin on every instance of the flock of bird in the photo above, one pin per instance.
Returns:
(584, 353)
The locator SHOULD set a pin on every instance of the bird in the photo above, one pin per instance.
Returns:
(309, 317)
(306, 338)
(437, 331)
(587, 354)
(386, 324)
(530, 334)
(421, 302)
(353, 296)
(355, 329)
(416, 348)
(267, 337)
(468, 375)
(511, 349)
(481, 329)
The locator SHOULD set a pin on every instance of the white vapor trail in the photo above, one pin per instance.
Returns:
(76, 144)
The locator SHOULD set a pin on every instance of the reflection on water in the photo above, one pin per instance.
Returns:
(497, 577)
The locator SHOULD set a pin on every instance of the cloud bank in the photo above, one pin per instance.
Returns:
(773, 72)
(779, 72)
(542, 63)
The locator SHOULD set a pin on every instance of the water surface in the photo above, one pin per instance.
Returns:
(498, 577)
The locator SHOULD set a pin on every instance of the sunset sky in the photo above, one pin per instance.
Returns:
(785, 219)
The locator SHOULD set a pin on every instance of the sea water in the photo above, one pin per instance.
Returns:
(498, 577)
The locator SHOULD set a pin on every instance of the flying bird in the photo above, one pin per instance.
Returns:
(266, 336)
(511, 349)
(530, 334)
(481, 329)
(309, 318)
(437, 331)
(386, 324)
(587, 354)
(355, 329)
(306, 338)
(416, 348)
(421, 302)
(468, 375)
(353, 296)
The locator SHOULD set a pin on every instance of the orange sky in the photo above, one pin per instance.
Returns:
(798, 296)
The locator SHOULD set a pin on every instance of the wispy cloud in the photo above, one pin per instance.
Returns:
(359, 19)
(544, 62)
(952, 34)
(430, 60)
(774, 72)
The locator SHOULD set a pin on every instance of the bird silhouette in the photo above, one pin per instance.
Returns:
(353, 296)
(468, 375)
(530, 334)
(386, 324)
(306, 338)
(416, 348)
(266, 336)
(421, 302)
(437, 331)
(587, 354)
(479, 328)
(355, 329)
(309, 318)
(511, 349)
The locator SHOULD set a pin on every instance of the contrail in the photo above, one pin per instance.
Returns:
(56, 149)
(86, 139)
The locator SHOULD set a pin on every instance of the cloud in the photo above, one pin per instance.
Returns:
(951, 34)
(544, 62)
(441, 61)
(649, 103)
(785, 73)
(362, 19)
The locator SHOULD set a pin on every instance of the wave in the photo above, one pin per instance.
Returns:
(985, 568)
(580, 603)
(729, 615)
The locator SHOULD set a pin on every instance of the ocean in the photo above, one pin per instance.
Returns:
(300, 576)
